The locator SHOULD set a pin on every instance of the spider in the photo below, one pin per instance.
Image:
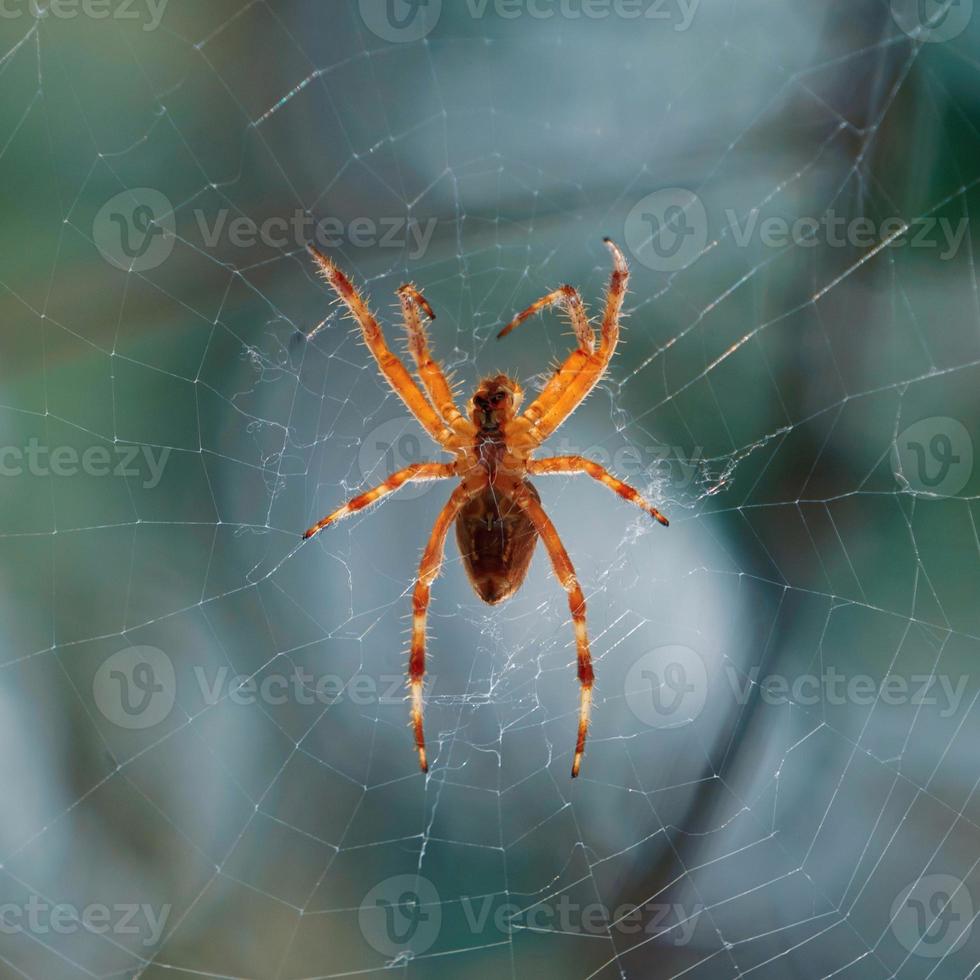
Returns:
(496, 511)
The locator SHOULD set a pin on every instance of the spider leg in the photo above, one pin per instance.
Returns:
(391, 367)
(565, 573)
(579, 464)
(428, 571)
(417, 471)
(568, 298)
(433, 379)
(577, 376)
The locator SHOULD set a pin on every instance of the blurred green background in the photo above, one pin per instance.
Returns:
(207, 769)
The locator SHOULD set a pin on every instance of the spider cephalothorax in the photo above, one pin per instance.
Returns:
(496, 511)
(495, 402)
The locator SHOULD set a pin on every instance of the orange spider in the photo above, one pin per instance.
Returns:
(497, 512)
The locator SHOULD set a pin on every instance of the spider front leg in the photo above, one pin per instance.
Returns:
(578, 375)
(416, 471)
(568, 298)
(433, 379)
(428, 571)
(565, 573)
(395, 373)
(579, 464)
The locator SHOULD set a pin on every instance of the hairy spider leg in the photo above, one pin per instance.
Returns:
(395, 373)
(416, 471)
(580, 371)
(579, 464)
(569, 299)
(565, 573)
(433, 379)
(429, 569)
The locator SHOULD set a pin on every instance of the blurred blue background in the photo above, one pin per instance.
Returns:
(207, 768)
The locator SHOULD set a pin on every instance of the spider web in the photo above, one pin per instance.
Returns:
(268, 820)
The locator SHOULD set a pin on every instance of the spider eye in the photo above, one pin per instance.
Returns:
(499, 396)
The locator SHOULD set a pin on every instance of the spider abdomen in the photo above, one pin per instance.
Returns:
(496, 541)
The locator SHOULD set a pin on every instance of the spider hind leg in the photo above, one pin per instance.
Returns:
(428, 570)
(565, 573)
